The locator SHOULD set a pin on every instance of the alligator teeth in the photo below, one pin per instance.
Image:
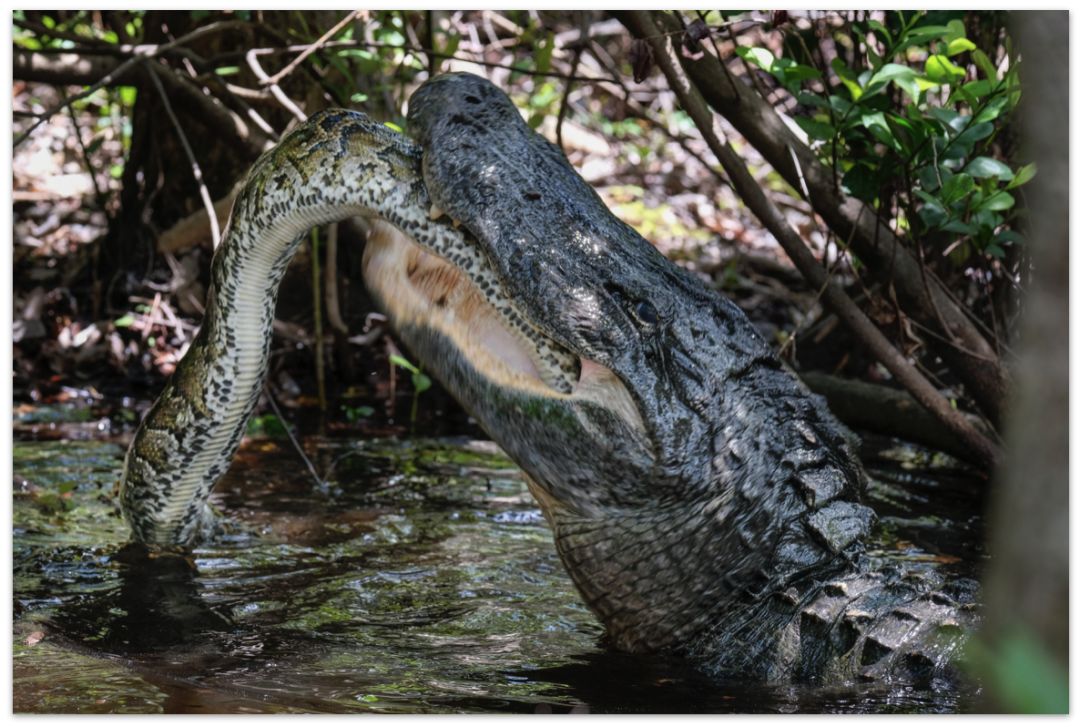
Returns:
(457, 223)
(435, 213)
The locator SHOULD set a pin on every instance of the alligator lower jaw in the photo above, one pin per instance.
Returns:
(419, 288)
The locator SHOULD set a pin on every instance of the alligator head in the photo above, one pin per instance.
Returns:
(688, 477)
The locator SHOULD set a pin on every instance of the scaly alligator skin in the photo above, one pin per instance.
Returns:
(702, 500)
(736, 537)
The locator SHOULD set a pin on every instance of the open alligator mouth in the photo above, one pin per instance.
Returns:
(418, 288)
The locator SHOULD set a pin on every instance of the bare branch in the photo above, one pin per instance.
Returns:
(204, 193)
(125, 67)
(984, 376)
(253, 61)
(907, 375)
(276, 78)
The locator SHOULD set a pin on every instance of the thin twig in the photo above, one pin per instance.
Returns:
(296, 445)
(204, 193)
(276, 78)
(316, 298)
(429, 35)
(330, 283)
(41, 30)
(345, 44)
(579, 48)
(123, 68)
(253, 61)
(98, 194)
(753, 195)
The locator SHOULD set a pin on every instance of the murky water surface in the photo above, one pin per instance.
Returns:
(422, 578)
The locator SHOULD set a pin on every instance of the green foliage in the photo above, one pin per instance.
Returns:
(356, 413)
(908, 132)
(1019, 673)
(266, 425)
(420, 382)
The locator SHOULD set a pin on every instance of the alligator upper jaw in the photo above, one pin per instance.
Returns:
(417, 288)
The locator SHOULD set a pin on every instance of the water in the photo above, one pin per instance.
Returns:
(422, 578)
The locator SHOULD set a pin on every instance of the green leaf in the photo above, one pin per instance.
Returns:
(543, 54)
(931, 178)
(124, 321)
(358, 97)
(395, 127)
(903, 76)
(911, 87)
(975, 132)
(760, 57)
(797, 73)
(452, 43)
(861, 183)
(998, 202)
(404, 363)
(811, 99)
(227, 70)
(877, 27)
(356, 413)
(984, 64)
(1008, 237)
(941, 70)
(815, 129)
(840, 105)
(841, 69)
(958, 45)
(875, 123)
(127, 95)
(994, 108)
(954, 29)
(960, 227)
(267, 425)
(890, 71)
(925, 34)
(983, 167)
(957, 188)
(421, 382)
(853, 88)
(1023, 175)
(932, 213)
(972, 92)
(951, 120)
(910, 135)
(848, 78)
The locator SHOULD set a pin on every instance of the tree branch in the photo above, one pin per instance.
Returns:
(972, 358)
(748, 189)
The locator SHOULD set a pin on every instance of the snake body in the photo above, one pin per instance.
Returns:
(336, 165)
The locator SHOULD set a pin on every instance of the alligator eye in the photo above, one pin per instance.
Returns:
(646, 313)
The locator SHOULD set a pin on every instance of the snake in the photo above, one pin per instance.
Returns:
(336, 165)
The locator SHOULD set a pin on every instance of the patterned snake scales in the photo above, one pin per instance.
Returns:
(338, 164)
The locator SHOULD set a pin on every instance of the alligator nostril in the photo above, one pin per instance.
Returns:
(532, 196)
(472, 99)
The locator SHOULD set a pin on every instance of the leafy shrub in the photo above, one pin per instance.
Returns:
(912, 130)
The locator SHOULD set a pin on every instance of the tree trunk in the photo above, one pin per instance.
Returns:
(1027, 584)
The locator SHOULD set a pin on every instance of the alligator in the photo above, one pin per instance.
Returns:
(702, 499)
(705, 504)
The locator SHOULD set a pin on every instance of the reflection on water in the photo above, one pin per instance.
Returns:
(422, 578)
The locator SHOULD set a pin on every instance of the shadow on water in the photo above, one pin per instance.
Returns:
(422, 578)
